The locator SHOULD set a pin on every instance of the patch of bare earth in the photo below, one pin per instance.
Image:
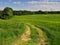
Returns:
(42, 37)
(24, 37)
(42, 41)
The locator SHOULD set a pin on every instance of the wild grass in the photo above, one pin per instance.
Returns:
(10, 29)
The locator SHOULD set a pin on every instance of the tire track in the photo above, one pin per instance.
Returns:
(42, 35)
(24, 37)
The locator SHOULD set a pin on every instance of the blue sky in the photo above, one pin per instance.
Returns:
(32, 5)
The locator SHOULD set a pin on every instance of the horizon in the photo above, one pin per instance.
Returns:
(31, 5)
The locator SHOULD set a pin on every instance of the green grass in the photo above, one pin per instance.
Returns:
(10, 32)
(10, 29)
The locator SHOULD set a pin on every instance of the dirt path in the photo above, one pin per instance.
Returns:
(24, 37)
(42, 35)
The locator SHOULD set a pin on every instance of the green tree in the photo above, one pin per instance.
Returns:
(7, 13)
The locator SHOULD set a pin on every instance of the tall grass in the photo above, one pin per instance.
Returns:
(12, 28)
(50, 23)
(10, 31)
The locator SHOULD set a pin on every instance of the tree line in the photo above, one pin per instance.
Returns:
(25, 12)
(9, 12)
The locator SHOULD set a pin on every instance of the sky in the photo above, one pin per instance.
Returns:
(31, 5)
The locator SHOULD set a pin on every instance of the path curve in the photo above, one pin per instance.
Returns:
(24, 37)
(42, 35)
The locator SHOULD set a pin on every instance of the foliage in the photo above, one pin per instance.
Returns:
(25, 12)
(7, 13)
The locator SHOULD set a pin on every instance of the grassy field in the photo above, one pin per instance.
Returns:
(46, 26)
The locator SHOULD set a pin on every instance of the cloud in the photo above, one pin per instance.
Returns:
(35, 5)
(33, 2)
(44, 0)
(48, 6)
(16, 2)
(1, 8)
(36, 1)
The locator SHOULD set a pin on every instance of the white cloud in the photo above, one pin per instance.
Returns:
(48, 6)
(44, 0)
(16, 2)
(33, 2)
(37, 5)
(42, 3)
(1, 8)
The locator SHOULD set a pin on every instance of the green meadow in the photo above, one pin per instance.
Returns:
(44, 30)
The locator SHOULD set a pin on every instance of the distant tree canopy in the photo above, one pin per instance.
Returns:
(0, 13)
(22, 12)
(34, 12)
(7, 13)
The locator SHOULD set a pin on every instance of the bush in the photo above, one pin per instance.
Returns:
(7, 13)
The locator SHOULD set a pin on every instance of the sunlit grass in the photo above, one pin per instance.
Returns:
(10, 29)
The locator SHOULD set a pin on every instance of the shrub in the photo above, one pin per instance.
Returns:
(7, 13)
